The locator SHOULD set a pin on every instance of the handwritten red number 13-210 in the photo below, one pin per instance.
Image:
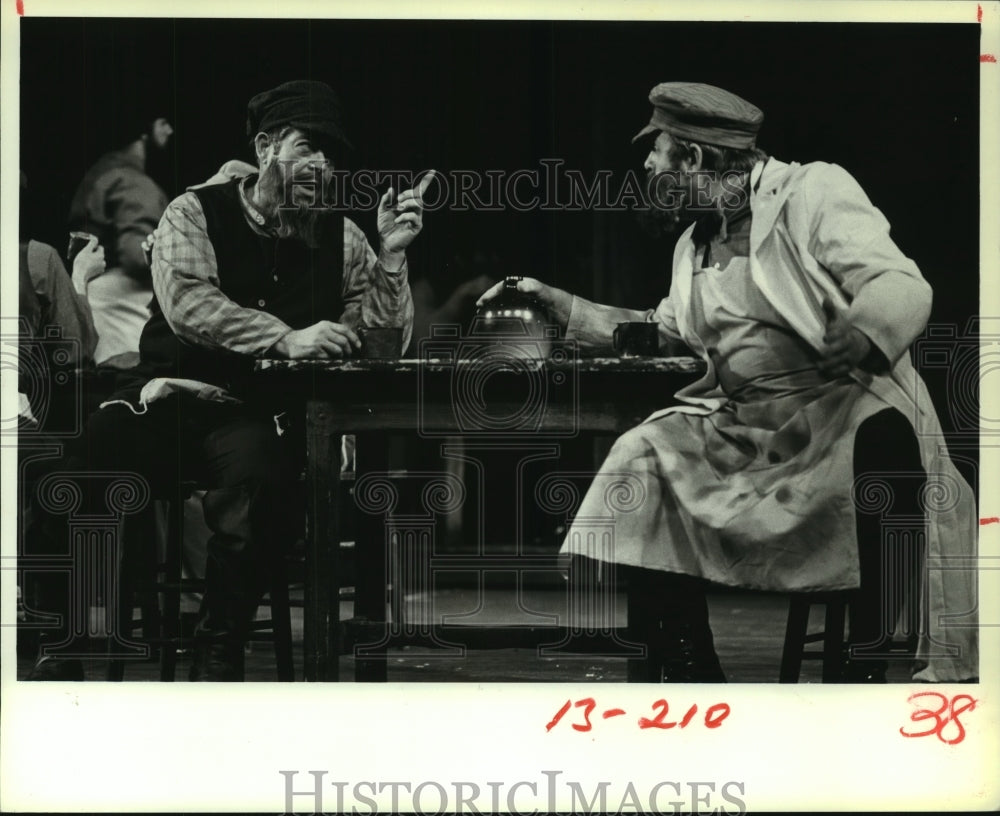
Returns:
(713, 718)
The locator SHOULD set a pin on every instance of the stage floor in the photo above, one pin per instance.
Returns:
(749, 629)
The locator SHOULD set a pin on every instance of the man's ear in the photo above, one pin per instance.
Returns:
(261, 143)
(696, 157)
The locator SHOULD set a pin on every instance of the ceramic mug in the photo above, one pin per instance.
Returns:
(636, 339)
(381, 343)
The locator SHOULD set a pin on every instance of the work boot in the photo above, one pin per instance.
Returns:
(217, 661)
(668, 613)
(689, 654)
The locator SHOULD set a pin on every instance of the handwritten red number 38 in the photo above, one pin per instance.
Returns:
(947, 713)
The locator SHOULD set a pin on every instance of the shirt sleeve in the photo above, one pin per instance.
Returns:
(889, 299)
(135, 204)
(186, 283)
(591, 325)
(62, 306)
(374, 297)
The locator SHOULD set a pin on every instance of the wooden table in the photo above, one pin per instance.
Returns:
(477, 392)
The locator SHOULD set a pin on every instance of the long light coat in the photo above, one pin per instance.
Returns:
(815, 235)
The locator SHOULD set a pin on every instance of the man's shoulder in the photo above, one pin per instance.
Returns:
(125, 179)
(183, 214)
(820, 175)
(186, 202)
(41, 257)
(101, 175)
(116, 164)
(198, 199)
(41, 249)
(353, 233)
(227, 190)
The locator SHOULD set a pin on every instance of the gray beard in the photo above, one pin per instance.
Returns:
(300, 221)
(660, 223)
(659, 220)
(671, 209)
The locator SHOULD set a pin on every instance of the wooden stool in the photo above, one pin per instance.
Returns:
(797, 636)
(169, 624)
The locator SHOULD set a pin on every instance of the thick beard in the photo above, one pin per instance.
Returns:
(659, 220)
(301, 221)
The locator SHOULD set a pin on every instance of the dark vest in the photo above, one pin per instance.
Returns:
(284, 277)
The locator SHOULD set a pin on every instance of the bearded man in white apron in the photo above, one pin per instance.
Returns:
(789, 288)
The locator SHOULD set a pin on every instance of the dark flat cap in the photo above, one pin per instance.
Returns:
(305, 104)
(703, 113)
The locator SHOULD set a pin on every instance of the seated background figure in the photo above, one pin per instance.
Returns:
(49, 298)
(118, 201)
(54, 324)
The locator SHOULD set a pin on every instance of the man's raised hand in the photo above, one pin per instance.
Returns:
(400, 220)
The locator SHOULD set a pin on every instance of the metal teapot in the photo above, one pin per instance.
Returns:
(516, 319)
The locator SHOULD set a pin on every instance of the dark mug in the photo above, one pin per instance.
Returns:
(381, 343)
(77, 241)
(636, 339)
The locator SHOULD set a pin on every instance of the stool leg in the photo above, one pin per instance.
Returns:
(150, 559)
(371, 456)
(281, 622)
(171, 619)
(649, 668)
(833, 642)
(134, 568)
(795, 639)
(116, 668)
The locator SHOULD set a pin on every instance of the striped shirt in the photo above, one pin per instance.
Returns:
(186, 282)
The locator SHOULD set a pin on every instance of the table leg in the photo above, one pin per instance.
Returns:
(372, 456)
(321, 616)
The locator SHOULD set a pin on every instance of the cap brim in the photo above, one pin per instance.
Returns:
(330, 133)
(644, 132)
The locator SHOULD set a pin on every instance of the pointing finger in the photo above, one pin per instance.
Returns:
(417, 195)
(425, 182)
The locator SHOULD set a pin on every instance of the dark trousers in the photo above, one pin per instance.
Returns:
(885, 449)
(234, 453)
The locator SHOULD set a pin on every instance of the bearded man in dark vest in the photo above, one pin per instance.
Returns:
(253, 267)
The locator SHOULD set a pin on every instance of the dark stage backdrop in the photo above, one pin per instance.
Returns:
(896, 105)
